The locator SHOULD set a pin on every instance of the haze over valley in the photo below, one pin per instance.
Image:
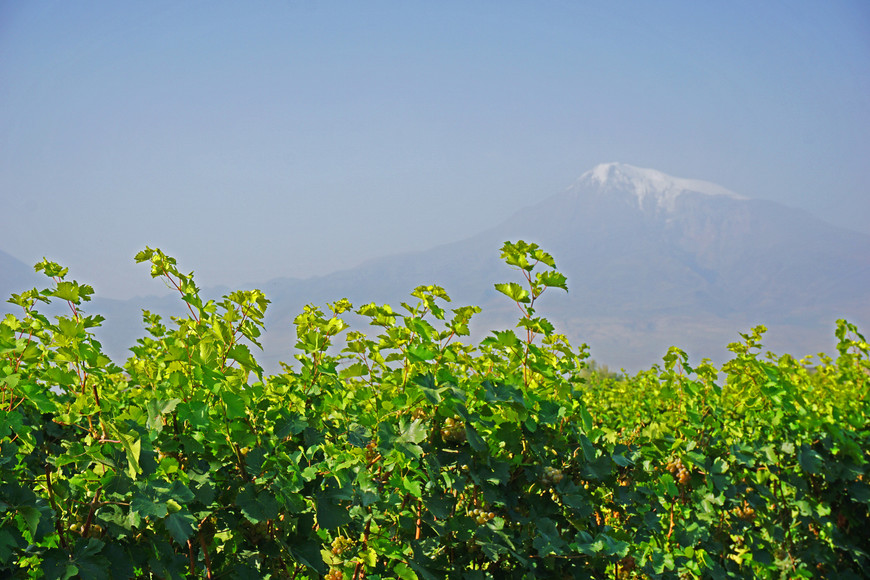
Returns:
(695, 168)
(652, 261)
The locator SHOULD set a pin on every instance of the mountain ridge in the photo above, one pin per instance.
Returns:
(692, 272)
(17, 276)
(703, 272)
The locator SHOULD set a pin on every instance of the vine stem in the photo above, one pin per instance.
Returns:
(177, 287)
(419, 522)
(365, 541)
(91, 510)
(54, 506)
(21, 356)
(671, 526)
(190, 558)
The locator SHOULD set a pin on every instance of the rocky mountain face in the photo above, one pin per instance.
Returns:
(651, 261)
(669, 247)
(654, 261)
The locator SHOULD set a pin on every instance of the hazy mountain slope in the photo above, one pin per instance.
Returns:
(16, 276)
(651, 261)
(649, 264)
(715, 253)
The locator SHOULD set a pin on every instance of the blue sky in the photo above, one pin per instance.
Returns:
(289, 138)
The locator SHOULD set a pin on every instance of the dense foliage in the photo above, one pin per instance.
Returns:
(404, 453)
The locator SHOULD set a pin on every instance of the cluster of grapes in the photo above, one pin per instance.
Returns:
(371, 452)
(745, 512)
(627, 567)
(335, 574)
(453, 430)
(675, 466)
(552, 476)
(341, 544)
(95, 531)
(480, 516)
(419, 413)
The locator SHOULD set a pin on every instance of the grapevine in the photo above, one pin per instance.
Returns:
(405, 453)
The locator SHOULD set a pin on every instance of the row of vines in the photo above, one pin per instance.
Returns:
(403, 452)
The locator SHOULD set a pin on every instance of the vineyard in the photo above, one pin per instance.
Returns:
(400, 451)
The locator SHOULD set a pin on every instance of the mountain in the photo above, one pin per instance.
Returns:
(650, 243)
(16, 276)
(654, 260)
(651, 260)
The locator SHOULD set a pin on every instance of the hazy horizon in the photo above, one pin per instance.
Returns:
(255, 141)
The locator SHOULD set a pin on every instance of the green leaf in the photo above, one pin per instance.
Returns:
(586, 418)
(621, 460)
(354, 370)
(307, 552)
(132, 448)
(423, 571)
(39, 395)
(242, 354)
(87, 558)
(156, 409)
(181, 525)
(120, 562)
(31, 517)
(474, 439)
(419, 353)
(809, 459)
(235, 405)
(539, 325)
(411, 486)
(56, 566)
(553, 280)
(426, 383)
(331, 514)
(440, 507)
(587, 447)
(358, 435)
(147, 507)
(860, 491)
(258, 505)
(500, 391)
(416, 432)
(503, 338)
(402, 571)
(547, 540)
(513, 291)
(195, 412)
(67, 291)
(599, 468)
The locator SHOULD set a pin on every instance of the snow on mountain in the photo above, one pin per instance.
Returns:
(646, 184)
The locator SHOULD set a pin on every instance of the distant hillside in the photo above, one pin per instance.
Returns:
(16, 276)
(651, 261)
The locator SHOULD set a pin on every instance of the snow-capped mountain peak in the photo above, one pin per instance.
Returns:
(647, 184)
